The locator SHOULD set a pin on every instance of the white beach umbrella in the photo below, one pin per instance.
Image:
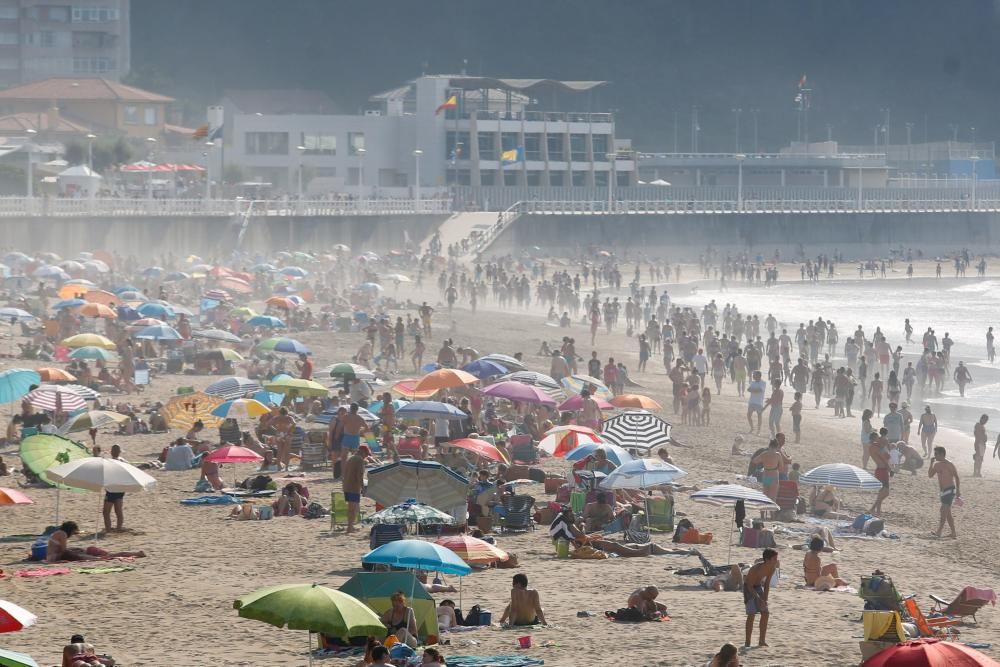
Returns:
(728, 495)
(642, 474)
(99, 474)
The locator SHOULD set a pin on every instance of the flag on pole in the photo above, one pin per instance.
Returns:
(512, 156)
(802, 81)
(450, 103)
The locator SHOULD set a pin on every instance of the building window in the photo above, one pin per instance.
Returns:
(488, 177)
(94, 14)
(319, 144)
(456, 146)
(578, 147)
(534, 178)
(557, 179)
(90, 39)
(131, 114)
(266, 143)
(95, 65)
(8, 38)
(58, 14)
(600, 144)
(510, 176)
(487, 146)
(557, 151)
(509, 141)
(579, 178)
(149, 115)
(8, 13)
(601, 179)
(622, 179)
(533, 146)
(356, 141)
(459, 177)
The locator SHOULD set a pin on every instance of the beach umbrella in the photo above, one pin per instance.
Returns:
(15, 314)
(544, 382)
(94, 473)
(89, 340)
(327, 416)
(577, 383)
(92, 352)
(289, 345)
(417, 555)
(426, 481)
(72, 266)
(370, 287)
(15, 383)
(127, 314)
(184, 410)
(642, 474)
(232, 387)
(348, 371)
(221, 353)
(243, 311)
(930, 652)
(217, 335)
(472, 550)
(340, 247)
(18, 257)
(265, 321)
(86, 393)
(158, 332)
(153, 272)
(506, 361)
(234, 284)
(121, 288)
(68, 303)
(635, 401)
(484, 368)
(98, 310)
(14, 659)
(132, 295)
(575, 403)
(445, 378)
(616, 454)
(294, 272)
(560, 440)
(728, 495)
(97, 266)
(480, 448)
(241, 408)
(102, 297)
(376, 589)
(398, 278)
(157, 310)
(92, 419)
(264, 268)
(396, 403)
(522, 393)
(305, 388)
(430, 410)
(841, 476)
(407, 389)
(56, 398)
(47, 272)
(412, 512)
(14, 618)
(13, 497)
(282, 302)
(636, 429)
(44, 450)
(233, 454)
(144, 322)
(313, 608)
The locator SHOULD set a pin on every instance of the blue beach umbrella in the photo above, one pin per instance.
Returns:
(484, 368)
(616, 454)
(68, 303)
(158, 332)
(14, 383)
(157, 310)
(418, 555)
(266, 321)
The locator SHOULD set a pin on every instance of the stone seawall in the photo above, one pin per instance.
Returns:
(857, 235)
(212, 236)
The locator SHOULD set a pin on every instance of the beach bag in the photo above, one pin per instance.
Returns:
(874, 526)
(203, 486)
(314, 511)
(472, 618)
(627, 615)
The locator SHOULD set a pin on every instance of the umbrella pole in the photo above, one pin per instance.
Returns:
(310, 647)
(729, 558)
(57, 505)
(460, 580)
(100, 511)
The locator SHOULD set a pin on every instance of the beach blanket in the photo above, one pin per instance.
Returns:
(835, 589)
(210, 500)
(492, 661)
(43, 572)
(104, 570)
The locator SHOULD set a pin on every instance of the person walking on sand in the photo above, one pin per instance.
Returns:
(949, 487)
(756, 589)
(878, 454)
(927, 429)
(775, 402)
(979, 445)
(755, 405)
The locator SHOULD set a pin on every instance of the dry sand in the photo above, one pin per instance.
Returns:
(176, 606)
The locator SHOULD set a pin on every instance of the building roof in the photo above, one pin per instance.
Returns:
(85, 88)
(19, 122)
(522, 85)
(278, 102)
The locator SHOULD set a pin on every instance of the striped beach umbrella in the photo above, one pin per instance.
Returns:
(636, 429)
(473, 550)
(561, 440)
(14, 618)
(232, 387)
(841, 476)
(426, 481)
(505, 360)
(56, 398)
(725, 495)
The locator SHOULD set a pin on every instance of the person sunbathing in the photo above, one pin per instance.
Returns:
(814, 569)
(730, 581)
(525, 606)
(436, 586)
(78, 653)
(824, 501)
(57, 548)
(644, 599)
(291, 501)
(564, 527)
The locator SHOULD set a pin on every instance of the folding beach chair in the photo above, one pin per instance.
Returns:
(879, 593)
(969, 601)
(661, 514)
(883, 626)
(929, 627)
(517, 513)
(383, 533)
(338, 510)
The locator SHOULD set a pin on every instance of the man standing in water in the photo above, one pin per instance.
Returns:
(979, 444)
(949, 486)
(756, 588)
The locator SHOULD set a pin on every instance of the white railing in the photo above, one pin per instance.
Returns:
(759, 206)
(57, 207)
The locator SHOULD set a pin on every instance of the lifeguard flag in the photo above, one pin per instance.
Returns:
(450, 103)
(512, 156)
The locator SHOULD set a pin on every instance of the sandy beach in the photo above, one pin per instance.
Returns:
(175, 606)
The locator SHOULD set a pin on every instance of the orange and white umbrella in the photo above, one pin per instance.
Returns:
(560, 440)
(480, 448)
(473, 550)
(94, 309)
(55, 375)
(407, 389)
(635, 401)
(101, 296)
(445, 378)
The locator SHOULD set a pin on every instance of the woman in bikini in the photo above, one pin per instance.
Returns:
(927, 429)
(400, 620)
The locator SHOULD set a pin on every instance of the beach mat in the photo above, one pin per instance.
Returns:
(492, 661)
(43, 572)
(104, 570)
(210, 500)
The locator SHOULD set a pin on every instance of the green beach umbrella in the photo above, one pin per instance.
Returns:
(41, 452)
(310, 607)
(12, 659)
(302, 387)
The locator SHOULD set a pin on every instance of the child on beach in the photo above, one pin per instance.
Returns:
(796, 411)
(706, 406)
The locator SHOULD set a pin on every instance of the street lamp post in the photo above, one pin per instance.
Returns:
(612, 157)
(416, 182)
(90, 150)
(208, 169)
(739, 181)
(301, 150)
(975, 177)
(860, 186)
(151, 141)
(361, 175)
(31, 163)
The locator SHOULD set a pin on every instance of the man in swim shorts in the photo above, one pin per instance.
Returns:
(756, 588)
(354, 480)
(949, 487)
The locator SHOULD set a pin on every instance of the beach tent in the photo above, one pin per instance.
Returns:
(376, 588)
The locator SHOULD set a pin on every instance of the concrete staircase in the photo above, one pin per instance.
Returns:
(459, 226)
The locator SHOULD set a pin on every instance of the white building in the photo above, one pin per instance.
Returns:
(278, 136)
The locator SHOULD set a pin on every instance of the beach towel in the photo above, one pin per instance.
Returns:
(104, 570)
(492, 661)
(210, 500)
(43, 572)
(18, 538)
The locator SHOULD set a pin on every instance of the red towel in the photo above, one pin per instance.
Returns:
(43, 572)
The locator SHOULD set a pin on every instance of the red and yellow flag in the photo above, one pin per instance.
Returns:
(450, 103)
